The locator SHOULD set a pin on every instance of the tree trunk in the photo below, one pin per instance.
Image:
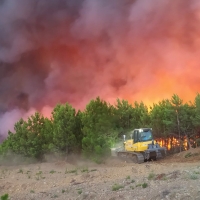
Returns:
(179, 133)
(188, 141)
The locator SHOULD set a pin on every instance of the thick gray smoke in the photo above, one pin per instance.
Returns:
(55, 51)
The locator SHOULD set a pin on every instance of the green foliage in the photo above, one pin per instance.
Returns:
(20, 171)
(189, 154)
(196, 118)
(52, 172)
(184, 113)
(93, 170)
(172, 116)
(63, 191)
(151, 176)
(144, 185)
(131, 187)
(123, 112)
(71, 171)
(140, 115)
(176, 101)
(78, 131)
(98, 129)
(116, 187)
(64, 120)
(128, 116)
(85, 169)
(4, 147)
(5, 197)
(55, 196)
(162, 118)
(95, 130)
(193, 177)
(31, 137)
(39, 175)
(79, 191)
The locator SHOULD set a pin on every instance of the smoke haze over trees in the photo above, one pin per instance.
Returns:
(72, 51)
(99, 127)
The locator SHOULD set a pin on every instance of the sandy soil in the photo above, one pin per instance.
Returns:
(175, 177)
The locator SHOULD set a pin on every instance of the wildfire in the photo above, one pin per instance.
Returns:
(172, 143)
(58, 51)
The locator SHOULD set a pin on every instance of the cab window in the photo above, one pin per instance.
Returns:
(146, 136)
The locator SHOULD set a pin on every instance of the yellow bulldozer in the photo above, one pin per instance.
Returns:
(141, 147)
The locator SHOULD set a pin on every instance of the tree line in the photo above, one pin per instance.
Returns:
(99, 126)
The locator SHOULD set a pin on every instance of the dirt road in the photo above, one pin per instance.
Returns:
(176, 177)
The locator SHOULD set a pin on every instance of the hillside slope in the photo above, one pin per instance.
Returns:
(176, 177)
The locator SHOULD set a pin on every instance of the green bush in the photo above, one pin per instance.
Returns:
(189, 154)
(30, 137)
(5, 197)
(71, 171)
(98, 130)
(117, 187)
(144, 185)
(84, 170)
(79, 191)
(52, 172)
(151, 176)
(193, 177)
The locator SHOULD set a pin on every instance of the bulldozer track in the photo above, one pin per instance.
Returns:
(131, 156)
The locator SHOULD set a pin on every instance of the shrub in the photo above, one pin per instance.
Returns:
(20, 171)
(193, 177)
(117, 187)
(79, 191)
(151, 176)
(4, 197)
(144, 185)
(52, 172)
(93, 170)
(71, 171)
(189, 154)
(138, 185)
(84, 170)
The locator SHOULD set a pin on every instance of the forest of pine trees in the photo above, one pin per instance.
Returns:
(93, 131)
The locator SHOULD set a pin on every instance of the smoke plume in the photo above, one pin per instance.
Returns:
(55, 51)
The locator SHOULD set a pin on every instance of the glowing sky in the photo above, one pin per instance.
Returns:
(73, 51)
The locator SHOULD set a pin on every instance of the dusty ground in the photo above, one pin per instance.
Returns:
(176, 177)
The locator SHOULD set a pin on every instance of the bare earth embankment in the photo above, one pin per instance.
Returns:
(176, 177)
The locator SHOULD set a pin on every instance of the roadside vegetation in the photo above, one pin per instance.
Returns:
(93, 131)
(5, 197)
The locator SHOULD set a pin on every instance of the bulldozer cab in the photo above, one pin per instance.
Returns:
(142, 135)
(140, 138)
